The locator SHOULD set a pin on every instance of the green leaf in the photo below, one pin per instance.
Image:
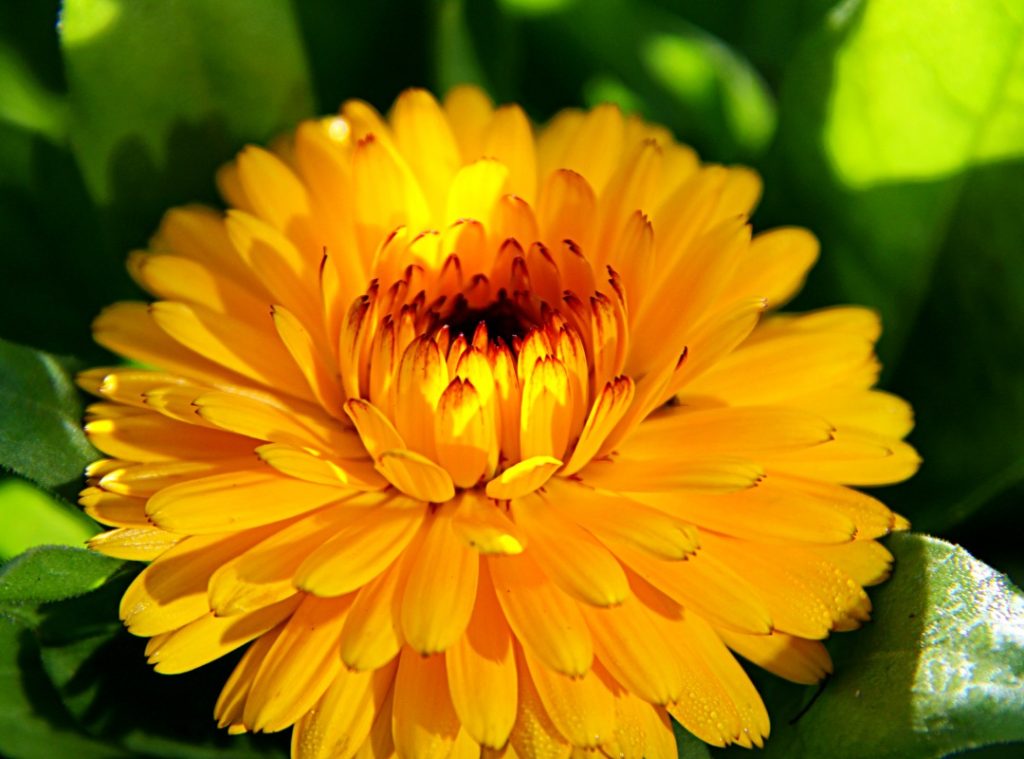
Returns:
(33, 721)
(940, 669)
(456, 59)
(902, 146)
(41, 434)
(32, 518)
(892, 101)
(52, 573)
(674, 72)
(161, 93)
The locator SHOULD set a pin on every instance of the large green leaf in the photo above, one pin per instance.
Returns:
(73, 682)
(49, 235)
(41, 434)
(654, 61)
(940, 669)
(32, 517)
(902, 145)
(33, 721)
(53, 573)
(161, 93)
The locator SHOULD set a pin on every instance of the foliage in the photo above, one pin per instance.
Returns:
(894, 129)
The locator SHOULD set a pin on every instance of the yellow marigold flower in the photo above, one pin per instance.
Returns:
(482, 438)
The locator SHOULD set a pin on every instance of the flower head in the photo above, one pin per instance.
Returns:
(482, 438)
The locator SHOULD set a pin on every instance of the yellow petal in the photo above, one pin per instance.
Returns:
(130, 330)
(609, 407)
(483, 661)
(582, 708)
(522, 478)
(509, 138)
(425, 723)
(277, 421)
(300, 665)
(851, 459)
(475, 190)
(237, 501)
(375, 429)
(613, 518)
(465, 435)
(360, 551)
(701, 638)
(357, 473)
(320, 371)
(796, 659)
(184, 279)
(568, 555)
(534, 734)
(807, 596)
(239, 346)
(274, 192)
(544, 426)
(594, 151)
(567, 211)
(707, 585)
(866, 561)
(416, 475)
(631, 648)
(113, 509)
(422, 378)
(372, 635)
(211, 637)
(777, 264)
(265, 572)
(423, 136)
(771, 511)
(340, 722)
(198, 233)
(441, 588)
(171, 592)
(145, 480)
(231, 702)
(134, 543)
(718, 475)
(484, 525)
(152, 437)
(468, 109)
(544, 619)
(749, 431)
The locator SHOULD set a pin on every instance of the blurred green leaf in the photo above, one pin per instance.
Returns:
(455, 57)
(161, 93)
(41, 434)
(33, 721)
(676, 73)
(84, 689)
(53, 573)
(32, 517)
(902, 145)
(884, 110)
(26, 103)
(940, 669)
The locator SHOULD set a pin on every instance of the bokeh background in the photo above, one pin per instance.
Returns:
(893, 129)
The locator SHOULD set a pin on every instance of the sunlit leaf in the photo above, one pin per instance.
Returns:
(161, 93)
(31, 517)
(53, 573)
(902, 142)
(940, 669)
(674, 72)
(41, 435)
